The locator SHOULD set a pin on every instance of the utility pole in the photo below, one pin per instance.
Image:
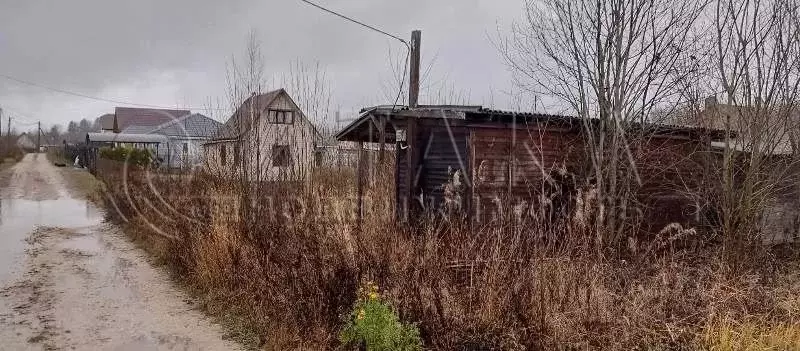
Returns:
(8, 134)
(38, 136)
(413, 78)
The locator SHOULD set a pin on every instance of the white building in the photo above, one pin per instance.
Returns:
(186, 136)
(24, 142)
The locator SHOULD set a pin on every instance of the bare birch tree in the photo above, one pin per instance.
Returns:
(612, 63)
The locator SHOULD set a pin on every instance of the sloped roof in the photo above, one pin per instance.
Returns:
(24, 141)
(194, 125)
(137, 130)
(129, 116)
(239, 123)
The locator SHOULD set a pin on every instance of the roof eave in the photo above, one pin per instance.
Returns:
(344, 134)
(217, 141)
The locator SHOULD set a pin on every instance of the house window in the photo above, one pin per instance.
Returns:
(185, 148)
(236, 156)
(281, 116)
(281, 156)
(223, 154)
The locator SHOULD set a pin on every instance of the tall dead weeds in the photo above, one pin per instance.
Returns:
(293, 274)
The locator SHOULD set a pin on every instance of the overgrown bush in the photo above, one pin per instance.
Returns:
(132, 156)
(374, 325)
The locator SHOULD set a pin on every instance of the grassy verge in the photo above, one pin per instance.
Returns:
(83, 184)
(80, 183)
(56, 156)
(7, 163)
(287, 278)
(5, 170)
(237, 325)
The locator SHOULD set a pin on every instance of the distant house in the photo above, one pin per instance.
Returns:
(766, 130)
(267, 138)
(24, 142)
(106, 120)
(186, 136)
(332, 153)
(125, 117)
(95, 141)
(771, 132)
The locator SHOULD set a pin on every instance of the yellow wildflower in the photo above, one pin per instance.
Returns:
(360, 315)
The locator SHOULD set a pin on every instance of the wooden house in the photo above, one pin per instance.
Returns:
(268, 138)
(486, 161)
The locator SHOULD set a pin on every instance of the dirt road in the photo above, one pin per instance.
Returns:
(71, 282)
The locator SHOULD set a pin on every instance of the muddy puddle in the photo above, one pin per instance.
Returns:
(20, 217)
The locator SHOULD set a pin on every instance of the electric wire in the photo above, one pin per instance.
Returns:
(356, 21)
(408, 46)
(119, 102)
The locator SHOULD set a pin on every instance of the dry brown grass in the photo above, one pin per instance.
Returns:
(286, 280)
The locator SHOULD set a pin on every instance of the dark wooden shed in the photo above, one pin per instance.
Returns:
(481, 160)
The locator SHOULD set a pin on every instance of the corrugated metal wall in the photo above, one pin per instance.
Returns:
(441, 153)
(400, 181)
(444, 153)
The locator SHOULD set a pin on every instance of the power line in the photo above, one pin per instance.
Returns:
(355, 21)
(402, 80)
(25, 117)
(119, 102)
(22, 124)
(408, 46)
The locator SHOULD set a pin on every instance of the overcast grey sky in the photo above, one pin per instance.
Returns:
(173, 53)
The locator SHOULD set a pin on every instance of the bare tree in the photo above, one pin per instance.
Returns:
(757, 64)
(612, 63)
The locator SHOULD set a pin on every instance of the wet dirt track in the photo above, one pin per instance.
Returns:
(71, 282)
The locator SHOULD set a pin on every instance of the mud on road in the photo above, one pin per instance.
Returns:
(71, 282)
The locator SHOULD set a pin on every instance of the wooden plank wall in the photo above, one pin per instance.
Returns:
(510, 168)
(669, 168)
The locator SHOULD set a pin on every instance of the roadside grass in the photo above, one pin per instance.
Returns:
(7, 163)
(732, 335)
(5, 170)
(80, 183)
(289, 279)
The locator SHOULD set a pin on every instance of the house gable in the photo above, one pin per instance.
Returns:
(272, 144)
(240, 122)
